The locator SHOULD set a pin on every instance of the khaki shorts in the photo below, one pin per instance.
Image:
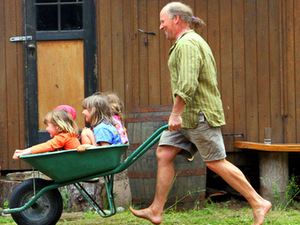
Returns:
(204, 138)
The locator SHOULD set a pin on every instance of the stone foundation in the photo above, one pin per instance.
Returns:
(6, 187)
(73, 200)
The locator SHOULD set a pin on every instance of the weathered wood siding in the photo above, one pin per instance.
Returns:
(255, 43)
(291, 70)
(256, 46)
(11, 84)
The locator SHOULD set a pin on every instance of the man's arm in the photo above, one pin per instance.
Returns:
(175, 120)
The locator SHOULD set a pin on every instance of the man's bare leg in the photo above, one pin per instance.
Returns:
(165, 175)
(234, 177)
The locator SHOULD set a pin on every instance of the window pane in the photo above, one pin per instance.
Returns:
(71, 17)
(46, 17)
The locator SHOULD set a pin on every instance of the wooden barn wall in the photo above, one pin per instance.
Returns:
(11, 84)
(255, 44)
(114, 39)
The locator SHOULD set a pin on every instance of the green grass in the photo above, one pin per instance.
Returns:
(212, 214)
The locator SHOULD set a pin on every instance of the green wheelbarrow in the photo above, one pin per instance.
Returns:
(38, 201)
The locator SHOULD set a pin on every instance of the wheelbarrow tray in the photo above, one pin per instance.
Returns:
(68, 165)
(72, 167)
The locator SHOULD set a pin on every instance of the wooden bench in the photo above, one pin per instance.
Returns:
(273, 165)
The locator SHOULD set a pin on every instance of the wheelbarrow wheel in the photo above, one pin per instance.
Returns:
(45, 211)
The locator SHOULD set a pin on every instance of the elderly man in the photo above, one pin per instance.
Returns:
(197, 114)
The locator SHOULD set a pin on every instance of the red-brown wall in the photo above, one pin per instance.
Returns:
(255, 43)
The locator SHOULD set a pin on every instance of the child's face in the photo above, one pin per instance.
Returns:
(52, 130)
(86, 113)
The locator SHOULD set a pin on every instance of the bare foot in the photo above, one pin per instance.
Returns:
(260, 213)
(147, 214)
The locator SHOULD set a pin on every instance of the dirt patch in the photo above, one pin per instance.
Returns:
(71, 216)
(229, 201)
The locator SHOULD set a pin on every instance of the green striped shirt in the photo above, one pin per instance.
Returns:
(194, 78)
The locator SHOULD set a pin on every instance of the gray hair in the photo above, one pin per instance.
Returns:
(185, 12)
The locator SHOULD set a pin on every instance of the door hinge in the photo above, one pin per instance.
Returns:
(21, 38)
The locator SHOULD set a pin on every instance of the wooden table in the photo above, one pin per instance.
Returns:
(273, 165)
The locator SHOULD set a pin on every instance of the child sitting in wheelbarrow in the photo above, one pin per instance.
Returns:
(63, 131)
(98, 113)
(117, 106)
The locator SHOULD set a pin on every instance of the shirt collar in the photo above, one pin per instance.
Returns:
(179, 37)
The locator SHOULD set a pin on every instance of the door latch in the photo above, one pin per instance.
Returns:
(20, 38)
(146, 37)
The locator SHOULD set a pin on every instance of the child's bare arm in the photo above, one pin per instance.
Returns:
(19, 153)
(83, 147)
(88, 137)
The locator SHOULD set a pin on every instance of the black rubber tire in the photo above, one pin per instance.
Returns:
(45, 211)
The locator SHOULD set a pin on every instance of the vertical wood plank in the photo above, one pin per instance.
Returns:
(190, 3)
(213, 29)
(225, 71)
(201, 12)
(12, 80)
(21, 96)
(143, 54)
(105, 45)
(297, 63)
(165, 80)
(3, 90)
(135, 56)
(251, 71)
(238, 61)
(153, 52)
(129, 32)
(117, 47)
(275, 71)
(263, 67)
(289, 64)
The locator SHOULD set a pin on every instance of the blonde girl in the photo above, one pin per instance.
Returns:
(117, 106)
(63, 131)
(98, 113)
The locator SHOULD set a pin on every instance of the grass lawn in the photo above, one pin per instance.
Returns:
(211, 214)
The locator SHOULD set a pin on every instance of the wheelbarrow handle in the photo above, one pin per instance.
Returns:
(152, 140)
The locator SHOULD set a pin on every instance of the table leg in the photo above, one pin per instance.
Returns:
(273, 170)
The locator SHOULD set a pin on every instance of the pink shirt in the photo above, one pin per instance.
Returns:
(121, 129)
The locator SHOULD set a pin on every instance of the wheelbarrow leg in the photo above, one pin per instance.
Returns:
(108, 180)
(90, 199)
(109, 184)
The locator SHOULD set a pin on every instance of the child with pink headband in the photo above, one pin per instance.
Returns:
(69, 109)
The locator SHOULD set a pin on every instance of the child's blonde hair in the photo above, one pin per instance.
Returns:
(99, 109)
(62, 120)
(116, 104)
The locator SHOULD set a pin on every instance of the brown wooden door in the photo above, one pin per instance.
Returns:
(57, 74)
(60, 68)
